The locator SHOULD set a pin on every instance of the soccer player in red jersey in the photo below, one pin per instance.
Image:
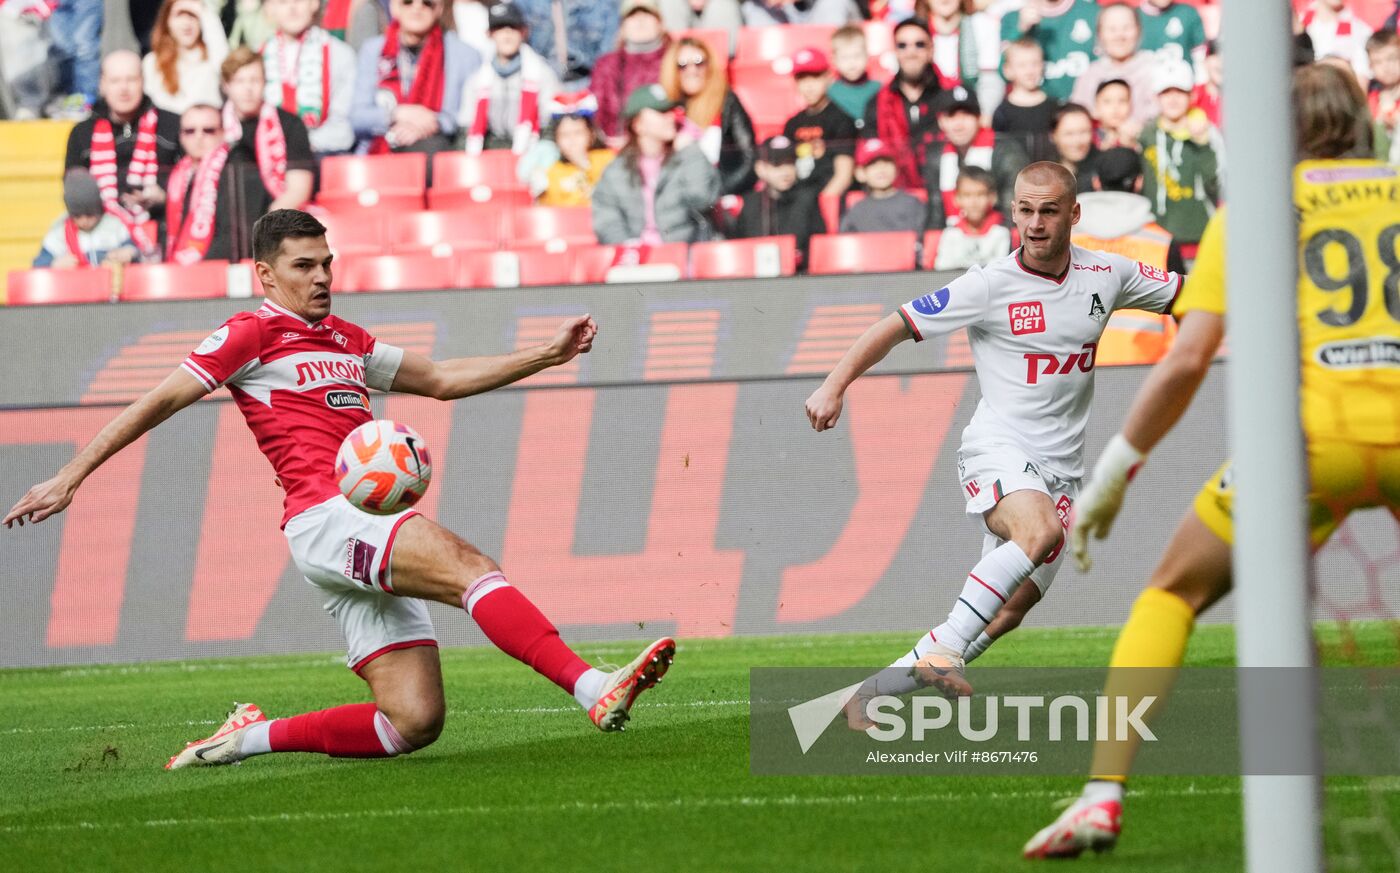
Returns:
(292, 367)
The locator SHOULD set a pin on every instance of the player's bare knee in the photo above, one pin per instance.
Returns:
(419, 726)
(1040, 541)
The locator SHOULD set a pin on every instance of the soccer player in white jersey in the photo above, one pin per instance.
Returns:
(1033, 320)
(291, 367)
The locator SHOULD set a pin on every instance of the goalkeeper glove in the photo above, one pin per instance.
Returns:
(1101, 499)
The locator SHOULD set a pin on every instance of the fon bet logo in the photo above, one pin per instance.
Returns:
(1026, 318)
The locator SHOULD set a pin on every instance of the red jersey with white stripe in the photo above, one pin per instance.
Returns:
(301, 386)
(1034, 339)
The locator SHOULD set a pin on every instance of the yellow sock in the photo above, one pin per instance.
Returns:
(1154, 637)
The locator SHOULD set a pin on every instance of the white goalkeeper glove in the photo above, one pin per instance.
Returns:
(1101, 499)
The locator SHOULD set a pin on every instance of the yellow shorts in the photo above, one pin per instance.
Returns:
(1344, 477)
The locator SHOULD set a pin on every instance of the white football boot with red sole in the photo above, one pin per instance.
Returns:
(225, 745)
(612, 710)
(1086, 824)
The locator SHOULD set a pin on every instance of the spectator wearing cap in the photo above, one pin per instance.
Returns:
(267, 140)
(905, 113)
(1180, 165)
(507, 100)
(783, 206)
(129, 145)
(654, 192)
(1065, 30)
(966, 143)
(572, 35)
(310, 74)
(564, 168)
(636, 62)
(1173, 31)
(1119, 37)
(884, 207)
(1338, 32)
(409, 81)
(1072, 134)
(680, 15)
(824, 136)
(766, 13)
(714, 118)
(1117, 219)
(980, 235)
(87, 235)
(187, 46)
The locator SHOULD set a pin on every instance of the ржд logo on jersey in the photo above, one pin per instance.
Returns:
(347, 400)
(1038, 365)
(1026, 318)
(932, 304)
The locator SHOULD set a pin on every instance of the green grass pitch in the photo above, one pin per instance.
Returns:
(521, 781)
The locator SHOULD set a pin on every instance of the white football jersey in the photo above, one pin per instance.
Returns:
(1034, 338)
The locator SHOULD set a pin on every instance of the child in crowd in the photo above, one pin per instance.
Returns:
(884, 208)
(1114, 124)
(823, 134)
(1383, 51)
(87, 236)
(980, 235)
(783, 206)
(563, 168)
(1027, 109)
(853, 88)
(1181, 168)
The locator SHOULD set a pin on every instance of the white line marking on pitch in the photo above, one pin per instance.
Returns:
(617, 805)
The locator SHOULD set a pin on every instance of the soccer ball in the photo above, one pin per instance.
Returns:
(383, 467)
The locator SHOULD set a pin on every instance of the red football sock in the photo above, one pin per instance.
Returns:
(341, 732)
(519, 629)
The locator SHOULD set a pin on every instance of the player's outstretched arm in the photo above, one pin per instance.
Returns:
(179, 390)
(1160, 402)
(824, 406)
(463, 377)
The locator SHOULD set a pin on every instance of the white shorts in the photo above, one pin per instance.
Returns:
(989, 475)
(344, 552)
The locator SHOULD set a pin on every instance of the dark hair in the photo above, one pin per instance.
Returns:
(1108, 82)
(979, 176)
(1331, 119)
(280, 224)
(1383, 38)
(1067, 110)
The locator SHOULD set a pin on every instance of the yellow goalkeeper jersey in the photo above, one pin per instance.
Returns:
(1348, 215)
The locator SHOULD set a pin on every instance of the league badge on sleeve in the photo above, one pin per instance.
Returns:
(213, 341)
(932, 304)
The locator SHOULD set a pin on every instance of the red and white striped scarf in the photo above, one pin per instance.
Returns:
(75, 247)
(1344, 21)
(140, 173)
(297, 72)
(978, 154)
(190, 226)
(269, 145)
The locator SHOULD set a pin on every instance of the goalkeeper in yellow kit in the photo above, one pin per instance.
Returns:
(1348, 210)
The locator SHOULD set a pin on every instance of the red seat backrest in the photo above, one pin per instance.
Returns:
(202, 281)
(742, 258)
(397, 273)
(42, 286)
(862, 252)
(481, 227)
(572, 224)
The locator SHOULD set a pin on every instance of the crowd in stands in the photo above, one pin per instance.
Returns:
(224, 109)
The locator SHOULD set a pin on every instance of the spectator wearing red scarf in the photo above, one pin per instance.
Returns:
(210, 206)
(264, 137)
(408, 86)
(905, 113)
(310, 73)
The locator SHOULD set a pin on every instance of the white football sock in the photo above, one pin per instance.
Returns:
(990, 584)
(896, 678)
(1099, 790)
(977, 647)
(255, 739)
(589, 687)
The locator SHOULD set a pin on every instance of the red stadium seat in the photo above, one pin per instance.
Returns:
(510, 269)
(202, 281)
(769, 107)
(381, 181)
(460, 179)
(84, 285)
(758, 44)
(360, 232)
(396, 273)
(716, 39)
(572, 225)
(862, 253)
(592, 264)
(744, 258)
(931, 240)
(444, 231)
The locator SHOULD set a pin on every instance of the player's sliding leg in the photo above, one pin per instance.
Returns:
(1008, 618)
(432, 563)
(1194, 573)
